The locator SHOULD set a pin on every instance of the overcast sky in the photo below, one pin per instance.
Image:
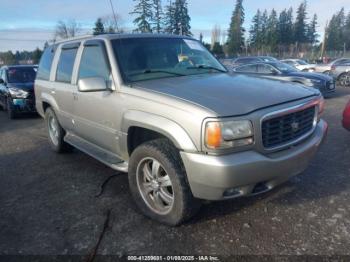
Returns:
(25, 25)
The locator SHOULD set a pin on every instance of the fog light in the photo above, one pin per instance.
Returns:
(232, 192)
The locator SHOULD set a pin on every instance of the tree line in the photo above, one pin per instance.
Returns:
(10, 58)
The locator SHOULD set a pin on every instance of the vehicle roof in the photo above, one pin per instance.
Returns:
(120, 36)
(17, 66)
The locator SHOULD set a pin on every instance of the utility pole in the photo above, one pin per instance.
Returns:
(114, 16)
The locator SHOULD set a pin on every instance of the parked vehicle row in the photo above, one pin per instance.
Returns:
(17, 89)
(300, 65)
(163, 109)
(341, 72)
(284, 72)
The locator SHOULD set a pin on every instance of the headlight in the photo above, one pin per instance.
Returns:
(316, 81)
(228, 134)
(18, 93)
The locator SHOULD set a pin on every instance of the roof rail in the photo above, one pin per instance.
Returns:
(80, 37)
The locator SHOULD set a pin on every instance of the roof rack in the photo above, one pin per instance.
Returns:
(81, 37)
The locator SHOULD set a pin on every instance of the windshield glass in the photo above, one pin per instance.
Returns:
(301, 62)
(285, 68)
(21, 74)
(154, 58)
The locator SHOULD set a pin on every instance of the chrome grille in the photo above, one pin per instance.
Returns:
(288, 128)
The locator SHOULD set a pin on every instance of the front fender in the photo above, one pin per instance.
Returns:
(162, 125)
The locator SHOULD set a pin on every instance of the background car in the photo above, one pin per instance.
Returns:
(17, 89)
(281, 71)
(232, 63)
(341, 73)
(326, 68)
(346, 117)
(300, 64)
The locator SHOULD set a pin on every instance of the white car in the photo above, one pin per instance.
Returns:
(300, 64)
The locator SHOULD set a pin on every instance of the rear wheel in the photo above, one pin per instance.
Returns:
(158, 183)
(56, 133)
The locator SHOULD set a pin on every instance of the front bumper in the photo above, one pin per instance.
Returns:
(24, 105)
(246, 173)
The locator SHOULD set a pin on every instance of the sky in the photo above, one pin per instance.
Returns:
(27, 24)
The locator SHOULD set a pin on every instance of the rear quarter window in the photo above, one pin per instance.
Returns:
(46, 63)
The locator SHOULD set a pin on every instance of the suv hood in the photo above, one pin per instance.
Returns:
(229, 95)
(23, 86)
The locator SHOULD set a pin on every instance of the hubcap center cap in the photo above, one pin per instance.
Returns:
(155, 185)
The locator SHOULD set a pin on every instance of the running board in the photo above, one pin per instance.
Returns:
(98, 153)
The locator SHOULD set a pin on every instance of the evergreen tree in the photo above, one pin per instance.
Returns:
(157, 20)
(264, 21)
(335, 31)
(300, 26)
(285, 27)
(37, 55)
(169, 19)
(311, 32)
(143, 10)
(217, 49)
(347, 32)
(272, 31)
(99, 27)
(235, 40)
(181, 18)
(255, 31)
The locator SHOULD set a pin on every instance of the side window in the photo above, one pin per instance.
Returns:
(246, 69)
(94, 63)
(66, 64)
(265, 69)
(45, 64)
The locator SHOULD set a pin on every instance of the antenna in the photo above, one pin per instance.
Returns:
(114, 15)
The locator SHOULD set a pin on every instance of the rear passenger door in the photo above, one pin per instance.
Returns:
(63, 87)
(95, 112)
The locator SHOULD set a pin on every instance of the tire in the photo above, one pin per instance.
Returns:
(171, 212)
(10, 109)
(344, 79)
(56, 133)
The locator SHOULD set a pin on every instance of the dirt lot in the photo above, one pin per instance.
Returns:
(48, 204)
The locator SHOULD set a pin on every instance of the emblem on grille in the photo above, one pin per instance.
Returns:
(295, 126)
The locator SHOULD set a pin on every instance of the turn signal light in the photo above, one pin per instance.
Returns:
(213, 135)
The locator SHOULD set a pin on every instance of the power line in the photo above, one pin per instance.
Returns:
(114, 15)
(22, 40)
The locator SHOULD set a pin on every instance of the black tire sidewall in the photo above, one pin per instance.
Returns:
(182, 193)
(61, 144)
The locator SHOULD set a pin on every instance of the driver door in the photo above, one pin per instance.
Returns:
(95, 112)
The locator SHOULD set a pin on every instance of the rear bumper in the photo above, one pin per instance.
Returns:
(246, 173)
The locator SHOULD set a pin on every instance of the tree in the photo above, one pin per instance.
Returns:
(255, 31)
(169, 19)
(99, 27)
(272, 31)
(112, 24)
(335, 31)
(347, 31)
(181, 18)
(285, 28)
(157, 20)
(201, 38)
(217, 49)
(300, 26)
(215, 35)
(67, 29)
(143, 10)
(312, 31)
(37, 55)
(236, 31)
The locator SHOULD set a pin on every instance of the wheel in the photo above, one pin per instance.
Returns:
(11, 112)
(344, 79)
(56, 133)
(158, 183)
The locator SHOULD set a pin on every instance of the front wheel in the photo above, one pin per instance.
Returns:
(344, 79)
(56, 133)
(158, 183)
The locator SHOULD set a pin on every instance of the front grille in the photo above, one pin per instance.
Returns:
(285, 129)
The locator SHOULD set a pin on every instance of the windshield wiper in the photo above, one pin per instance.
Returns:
(149, 71)
(207, 67)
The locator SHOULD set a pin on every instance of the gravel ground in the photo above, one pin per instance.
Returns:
(48, 204)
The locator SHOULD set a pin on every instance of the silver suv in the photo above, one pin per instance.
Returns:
(164, 110)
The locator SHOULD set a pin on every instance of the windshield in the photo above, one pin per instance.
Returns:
(285, 68)
(21, 74)
(154, 58)
(301, 62)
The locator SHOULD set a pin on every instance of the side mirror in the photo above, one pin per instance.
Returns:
(92, 84)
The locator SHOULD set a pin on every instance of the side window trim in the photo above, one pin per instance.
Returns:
(65, 47)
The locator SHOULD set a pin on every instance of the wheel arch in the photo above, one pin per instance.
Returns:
(141, 127)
